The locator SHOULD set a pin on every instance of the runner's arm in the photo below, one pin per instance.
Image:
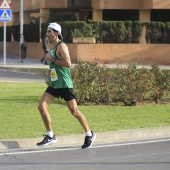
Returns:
(63, 54)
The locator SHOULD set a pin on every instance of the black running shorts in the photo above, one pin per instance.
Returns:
(65, 93)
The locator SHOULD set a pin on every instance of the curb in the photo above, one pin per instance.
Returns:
(33, 69)
(76, 140)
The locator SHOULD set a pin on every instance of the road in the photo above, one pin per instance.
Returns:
(139, 155)
(7, 75)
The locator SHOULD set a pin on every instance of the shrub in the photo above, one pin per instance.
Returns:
(86, 31)
(161, 85)
(91, 82)
(97, 83)
(131, 85)
(104, 31)
(136, 31)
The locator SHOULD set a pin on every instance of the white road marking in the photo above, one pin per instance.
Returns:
(93, 147)
(37, 151)
(132, 143)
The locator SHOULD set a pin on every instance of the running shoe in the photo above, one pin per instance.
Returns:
(89, 141)
(47, 140)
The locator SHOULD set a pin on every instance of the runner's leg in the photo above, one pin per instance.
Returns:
(42, 107)
(72, 105)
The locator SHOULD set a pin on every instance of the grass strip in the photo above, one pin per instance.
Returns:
(20, 118)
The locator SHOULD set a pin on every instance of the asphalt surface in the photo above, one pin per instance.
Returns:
(19, 76)
(138, 155)
(14, 63)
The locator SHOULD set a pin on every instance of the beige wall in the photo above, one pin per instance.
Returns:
(97, 15)
(34, 50)
(161, 4)
(123, 4)
(125, 53)
(36, 4)
(107, 53)
(132, 4)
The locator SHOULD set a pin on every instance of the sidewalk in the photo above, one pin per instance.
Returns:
(15, 62)
(76, 140)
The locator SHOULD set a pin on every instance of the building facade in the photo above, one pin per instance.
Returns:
(142, 10)
(134, 10)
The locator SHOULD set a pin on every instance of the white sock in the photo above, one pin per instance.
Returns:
(50, 133)
(89, 133)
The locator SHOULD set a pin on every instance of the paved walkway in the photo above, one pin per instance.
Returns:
(15, 62)
(71, 140)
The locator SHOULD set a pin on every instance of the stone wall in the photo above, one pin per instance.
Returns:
(106, 53)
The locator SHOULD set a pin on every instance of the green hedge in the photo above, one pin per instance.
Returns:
(158, 32)
(97, 83)
(106, 31)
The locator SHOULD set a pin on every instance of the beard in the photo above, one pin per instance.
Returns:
(51, 39)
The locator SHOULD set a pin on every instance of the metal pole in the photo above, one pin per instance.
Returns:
(4, 43)
(21, 27)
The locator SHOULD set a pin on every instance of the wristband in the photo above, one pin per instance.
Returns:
(46, 52)
(53, 61)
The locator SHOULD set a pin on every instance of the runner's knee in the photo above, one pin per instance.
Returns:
(42, 107)
(74, 112)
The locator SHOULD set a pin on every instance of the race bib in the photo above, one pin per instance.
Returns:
(53, 75)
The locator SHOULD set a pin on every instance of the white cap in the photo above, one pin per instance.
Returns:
(56, 27)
